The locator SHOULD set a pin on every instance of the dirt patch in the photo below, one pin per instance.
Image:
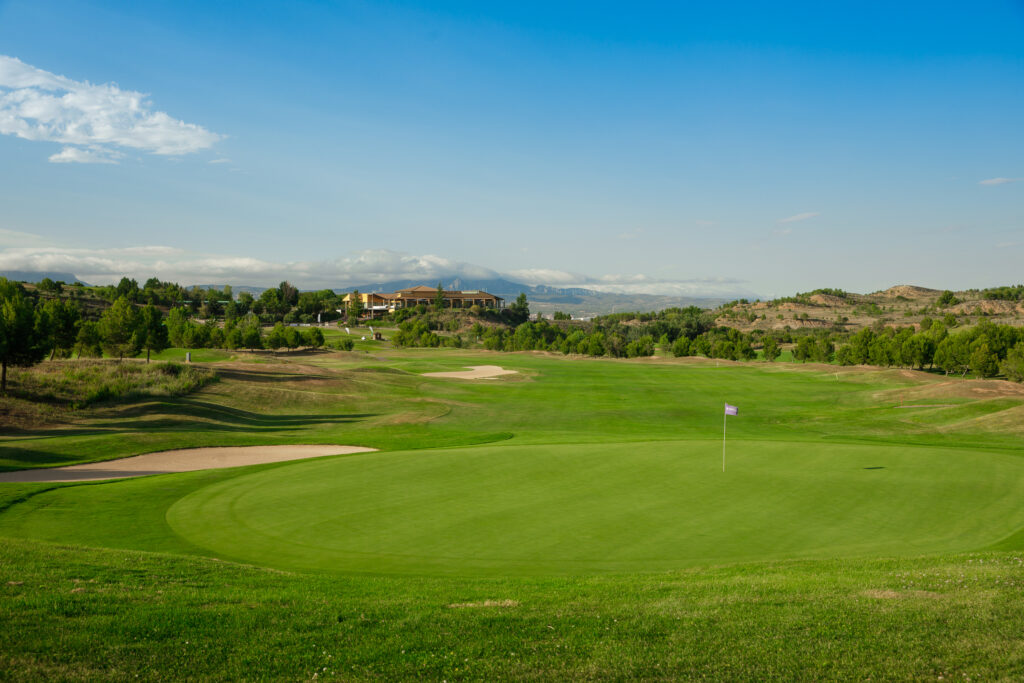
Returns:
(827, 300)
(484, 603)
(474, 372)
(181, 460)
(910, 291)
(899, 595)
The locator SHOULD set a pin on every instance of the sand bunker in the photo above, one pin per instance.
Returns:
(181, 460)
(474, 372)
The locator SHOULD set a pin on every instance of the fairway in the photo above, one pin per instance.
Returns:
(586, 508)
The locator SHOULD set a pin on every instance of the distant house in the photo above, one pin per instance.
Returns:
(376, 304)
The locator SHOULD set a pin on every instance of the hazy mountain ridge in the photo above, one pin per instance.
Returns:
(35, 276)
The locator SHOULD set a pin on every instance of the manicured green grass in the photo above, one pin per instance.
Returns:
(534, 510)
(785, 356)
(588, 493)
(197, 355)
(571, 509)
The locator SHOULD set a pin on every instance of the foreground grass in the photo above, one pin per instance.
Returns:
(78, 613)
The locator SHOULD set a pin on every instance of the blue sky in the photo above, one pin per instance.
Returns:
(706, 149)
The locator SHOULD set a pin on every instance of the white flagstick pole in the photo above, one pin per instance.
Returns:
(725, 420)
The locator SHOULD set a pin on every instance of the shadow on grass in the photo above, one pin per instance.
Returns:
(224, 414)
(261, 376)
(174, 415)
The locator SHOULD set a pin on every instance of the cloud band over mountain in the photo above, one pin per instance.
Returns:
(106, 266)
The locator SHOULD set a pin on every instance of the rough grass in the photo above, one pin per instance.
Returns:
(81, 383)
(75, 613)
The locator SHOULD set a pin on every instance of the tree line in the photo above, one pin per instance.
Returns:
(284, 303)
(985, 350)
(33, 327)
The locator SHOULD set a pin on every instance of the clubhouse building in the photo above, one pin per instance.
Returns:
(375, 304)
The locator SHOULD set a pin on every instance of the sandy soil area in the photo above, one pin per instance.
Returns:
(474, 372)
(181, 460)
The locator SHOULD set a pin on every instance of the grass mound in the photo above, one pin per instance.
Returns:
(52, 392)
(82, 383)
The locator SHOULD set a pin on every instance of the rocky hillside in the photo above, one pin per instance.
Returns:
(901, 305)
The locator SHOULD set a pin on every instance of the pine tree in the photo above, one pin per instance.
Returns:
(24, 334)
(118, 329)
(152, 333)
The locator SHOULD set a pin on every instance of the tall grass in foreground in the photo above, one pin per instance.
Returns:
(82, 383)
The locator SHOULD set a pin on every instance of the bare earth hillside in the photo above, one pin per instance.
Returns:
(900, 305)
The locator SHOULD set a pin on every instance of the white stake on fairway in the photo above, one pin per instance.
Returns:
(729, 410)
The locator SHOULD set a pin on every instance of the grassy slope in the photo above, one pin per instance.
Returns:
(117, 615)
(810, 619)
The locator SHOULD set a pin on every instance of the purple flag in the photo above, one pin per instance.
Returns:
(731, 410)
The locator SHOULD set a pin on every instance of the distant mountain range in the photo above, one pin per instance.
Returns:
(543, 298)
(35, 276)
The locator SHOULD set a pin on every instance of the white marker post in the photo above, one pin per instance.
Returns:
(729, 410)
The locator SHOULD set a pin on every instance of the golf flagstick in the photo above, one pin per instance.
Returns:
(729, 410)
(725, 420)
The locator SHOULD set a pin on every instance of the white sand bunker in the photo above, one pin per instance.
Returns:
(181, 460)
(474, 372)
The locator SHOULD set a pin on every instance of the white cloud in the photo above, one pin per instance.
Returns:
(799, 217)
(78, 155)
(96, 120)
(546, 276)
(107, 266)
(676, 288)
(631, 283)
(999, 181)
(101, 266)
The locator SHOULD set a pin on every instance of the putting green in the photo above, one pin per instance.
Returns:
(624, 507)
